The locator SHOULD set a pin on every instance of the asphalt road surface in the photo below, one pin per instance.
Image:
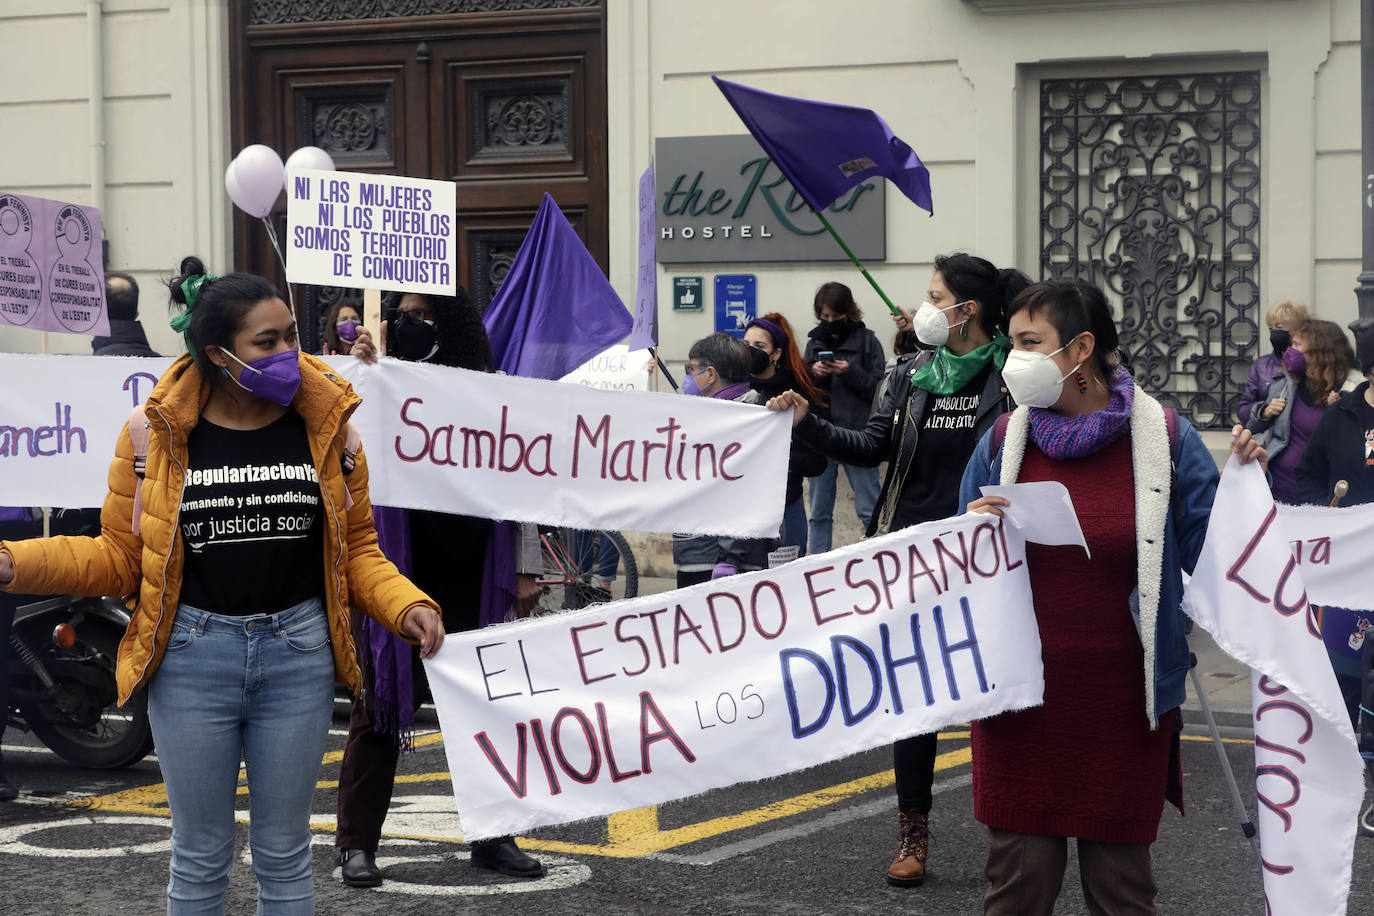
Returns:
(82, 841)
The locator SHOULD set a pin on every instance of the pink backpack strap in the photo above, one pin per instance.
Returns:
(353, 441)
(138, 436)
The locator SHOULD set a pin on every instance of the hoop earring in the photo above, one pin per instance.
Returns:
(1082, 381)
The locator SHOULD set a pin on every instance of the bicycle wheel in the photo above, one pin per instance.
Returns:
(582, 568)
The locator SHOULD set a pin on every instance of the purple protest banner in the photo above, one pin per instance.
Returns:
(51, 272)
(645, 331)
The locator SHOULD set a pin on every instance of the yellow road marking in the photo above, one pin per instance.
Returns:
(629, 834)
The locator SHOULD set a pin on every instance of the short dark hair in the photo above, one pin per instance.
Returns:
(121, 299)
(725, 353)
(220, 310)
(971, 277)
(1073, 307)
(839, 299)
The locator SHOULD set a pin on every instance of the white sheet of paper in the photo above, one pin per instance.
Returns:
(1043, 511)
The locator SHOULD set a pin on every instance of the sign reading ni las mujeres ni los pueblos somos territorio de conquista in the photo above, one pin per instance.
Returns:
(666, 696)
(721, 199)
(371, 231)
(51, 272)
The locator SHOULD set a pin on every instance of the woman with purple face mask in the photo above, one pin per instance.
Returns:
(342, 322)
(1318, 366)
(245, 533)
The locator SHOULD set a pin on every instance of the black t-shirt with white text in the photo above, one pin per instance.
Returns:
(251, 519)
(931, 487)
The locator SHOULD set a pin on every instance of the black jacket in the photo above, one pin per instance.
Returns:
(126, 339)
(851, 394)
(1335, 452)
(893, 430)
(802, 460)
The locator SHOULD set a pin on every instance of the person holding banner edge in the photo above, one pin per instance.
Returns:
(456, 558)
(237, 666)
(934, 408)
(1111, 625)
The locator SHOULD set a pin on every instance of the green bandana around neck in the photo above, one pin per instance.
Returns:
(946, 373)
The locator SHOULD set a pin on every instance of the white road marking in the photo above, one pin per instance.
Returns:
(12, 842)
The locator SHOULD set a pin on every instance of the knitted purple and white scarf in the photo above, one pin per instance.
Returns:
(1062, 437)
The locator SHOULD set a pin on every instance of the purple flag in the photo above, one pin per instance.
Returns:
(825, 149)
(645, 333)
(556, 309)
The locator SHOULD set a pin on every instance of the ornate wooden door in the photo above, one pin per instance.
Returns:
(505, 97)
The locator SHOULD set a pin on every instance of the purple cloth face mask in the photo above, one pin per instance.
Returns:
(347, 330)
(1295, 361)
(273, 378)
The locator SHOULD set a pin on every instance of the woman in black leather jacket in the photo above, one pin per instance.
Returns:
(935, 407)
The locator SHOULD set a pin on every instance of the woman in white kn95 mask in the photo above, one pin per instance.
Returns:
(1093, 762)
(936, 406)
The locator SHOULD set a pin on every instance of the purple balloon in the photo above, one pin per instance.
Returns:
(255, 179)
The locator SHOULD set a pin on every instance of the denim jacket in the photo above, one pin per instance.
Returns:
(1173, 504)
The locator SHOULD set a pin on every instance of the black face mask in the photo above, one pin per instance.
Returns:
(413, 339)
(1280, 340)
(758, 361)
(836, 328)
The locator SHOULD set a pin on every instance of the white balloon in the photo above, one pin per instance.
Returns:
(258, 177)
(310, 157)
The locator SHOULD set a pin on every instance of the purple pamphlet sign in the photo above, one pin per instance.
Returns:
(51, 274)
(645, 331)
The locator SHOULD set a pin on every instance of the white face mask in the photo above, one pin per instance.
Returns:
(930, 325)
(1033, 379)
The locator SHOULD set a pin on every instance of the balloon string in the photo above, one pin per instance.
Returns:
(276, 246)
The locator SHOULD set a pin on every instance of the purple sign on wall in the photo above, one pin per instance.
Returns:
(51, 275)
(645, 331)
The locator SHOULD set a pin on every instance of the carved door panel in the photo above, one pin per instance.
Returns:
(507, 104)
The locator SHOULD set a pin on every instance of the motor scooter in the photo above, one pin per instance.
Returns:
(62, 682)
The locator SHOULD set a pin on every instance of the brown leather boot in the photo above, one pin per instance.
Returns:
(913, 844)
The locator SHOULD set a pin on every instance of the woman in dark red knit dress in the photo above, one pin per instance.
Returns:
(1111, 627)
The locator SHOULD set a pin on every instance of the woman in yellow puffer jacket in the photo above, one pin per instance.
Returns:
(247, 539)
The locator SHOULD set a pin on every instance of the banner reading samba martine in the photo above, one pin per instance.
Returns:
(446, 439)
(666, 696)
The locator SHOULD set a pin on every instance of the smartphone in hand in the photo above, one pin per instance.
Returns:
(825, 356)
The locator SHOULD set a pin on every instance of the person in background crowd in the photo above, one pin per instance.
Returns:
(1143, 493)
(1318, 366)
(847, 364)
(1341, 449)
(126, 331)
(16, 524)
(342, 322)
(718, 367)
(1281, 318)
(238, 639)
(935, 406)
(447, 555)
(777, 367)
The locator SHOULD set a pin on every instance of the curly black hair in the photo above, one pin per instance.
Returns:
(463, 341)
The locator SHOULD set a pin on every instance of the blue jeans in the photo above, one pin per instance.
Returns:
(864, 483)
(260, 689)
(794, 525)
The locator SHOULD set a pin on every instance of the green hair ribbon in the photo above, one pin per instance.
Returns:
(190, 288)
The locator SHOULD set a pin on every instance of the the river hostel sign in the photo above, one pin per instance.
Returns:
(371, 231)
(721, 199)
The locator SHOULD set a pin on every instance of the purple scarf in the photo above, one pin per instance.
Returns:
(1062, 437)
(393, 684)
(393, 681)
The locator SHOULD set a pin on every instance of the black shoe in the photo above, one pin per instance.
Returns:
(502, 855)
(7, 790)
(359, 868)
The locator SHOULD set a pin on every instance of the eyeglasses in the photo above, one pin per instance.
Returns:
(693, 368)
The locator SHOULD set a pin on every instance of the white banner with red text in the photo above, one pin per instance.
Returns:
(1250, 590)
(446, 439)
(637, 702)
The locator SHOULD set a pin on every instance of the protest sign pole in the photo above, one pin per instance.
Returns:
(372, 317)
(896, 312)
(1247, 826)
(666, 374)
